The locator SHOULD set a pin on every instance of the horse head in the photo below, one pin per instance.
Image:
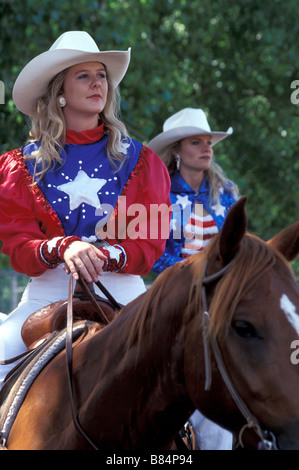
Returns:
(252, 305)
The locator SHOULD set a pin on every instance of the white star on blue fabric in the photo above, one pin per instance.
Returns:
(218, 209)
(183, 201)
(123, 147)
(83, 189)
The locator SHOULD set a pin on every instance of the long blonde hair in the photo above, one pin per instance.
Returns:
(48, 126)
(215, 175)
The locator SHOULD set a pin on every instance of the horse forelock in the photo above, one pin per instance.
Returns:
(253, 260)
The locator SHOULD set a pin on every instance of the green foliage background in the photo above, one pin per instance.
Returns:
(236, 60)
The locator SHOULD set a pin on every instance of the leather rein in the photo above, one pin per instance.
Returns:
(267, 438)
(69, 345)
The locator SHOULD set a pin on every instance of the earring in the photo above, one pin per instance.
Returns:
(62, 101)
(178, 161)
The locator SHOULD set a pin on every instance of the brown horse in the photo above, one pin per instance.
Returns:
(137, 380)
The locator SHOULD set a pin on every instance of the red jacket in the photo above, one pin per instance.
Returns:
(27, 219)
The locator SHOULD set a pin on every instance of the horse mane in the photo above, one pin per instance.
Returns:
(149, 309)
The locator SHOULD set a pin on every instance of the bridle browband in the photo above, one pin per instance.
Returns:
(268, 441)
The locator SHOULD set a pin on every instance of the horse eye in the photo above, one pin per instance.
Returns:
(244, 329)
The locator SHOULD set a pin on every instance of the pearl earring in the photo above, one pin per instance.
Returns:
(62, 101)
(178, 161)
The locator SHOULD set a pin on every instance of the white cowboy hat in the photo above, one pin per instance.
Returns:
(185, 123)
(71, 48)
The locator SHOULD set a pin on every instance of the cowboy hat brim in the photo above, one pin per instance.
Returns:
(33, 80)
(159, 143)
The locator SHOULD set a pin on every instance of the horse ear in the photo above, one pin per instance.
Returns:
(287, 242)
(233, 230)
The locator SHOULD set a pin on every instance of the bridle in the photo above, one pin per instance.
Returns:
(267, 438)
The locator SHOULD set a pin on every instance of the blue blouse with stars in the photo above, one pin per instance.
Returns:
(83, 190)
(183, 199)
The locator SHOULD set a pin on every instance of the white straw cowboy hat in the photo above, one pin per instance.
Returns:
(185, 123)
(71, 48)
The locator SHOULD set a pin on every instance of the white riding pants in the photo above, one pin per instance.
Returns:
(50, 287)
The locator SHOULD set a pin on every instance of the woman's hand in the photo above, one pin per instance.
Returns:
(84, 258)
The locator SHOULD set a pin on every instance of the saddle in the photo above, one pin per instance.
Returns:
(87, 305)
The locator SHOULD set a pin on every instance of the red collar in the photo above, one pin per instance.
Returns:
(85, 137)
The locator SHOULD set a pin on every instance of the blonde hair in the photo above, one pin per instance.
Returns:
(48, 126)
(215, 175)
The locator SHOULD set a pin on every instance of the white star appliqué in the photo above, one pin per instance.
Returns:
(183, 201)
(218, 209)
(52, 243)
(123, 147)
(114, 252)
(83, 189)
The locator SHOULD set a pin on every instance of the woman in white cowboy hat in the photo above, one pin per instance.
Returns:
(200, 193)
(73, 182)
(200, 197)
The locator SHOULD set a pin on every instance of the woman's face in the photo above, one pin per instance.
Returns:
(85, 90)
(196, 153)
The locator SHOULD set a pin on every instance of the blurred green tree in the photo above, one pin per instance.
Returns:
(235, 60)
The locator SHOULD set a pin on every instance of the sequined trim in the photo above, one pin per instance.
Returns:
(134, 174)
(37, 193)
(52, 251)
(138, 168)
(116, 257)
(64, 245)
(48, 252)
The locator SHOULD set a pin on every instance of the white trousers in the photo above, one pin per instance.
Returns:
(209, 435)
(51, 287)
